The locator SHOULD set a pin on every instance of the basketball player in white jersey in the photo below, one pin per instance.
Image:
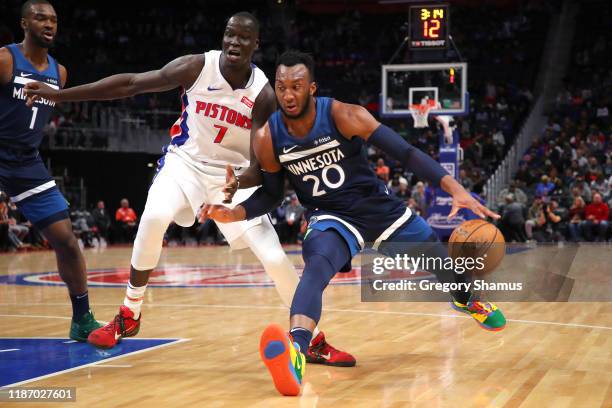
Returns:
(224, 97)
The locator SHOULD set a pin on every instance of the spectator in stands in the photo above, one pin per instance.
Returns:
(293, 216)
(81, 226)
(420, 197)
(382, 170)
(403, 193)
(582, 187)
(17, 225)
(513, 219)
(126, 222)
(545, 186)
(596, 217)
(102, 220)
(465, 181)
(600, 185)
(8, 240)
(524, 174)
(533, 216)
(518, 194)
(549, 222)
(576, 217)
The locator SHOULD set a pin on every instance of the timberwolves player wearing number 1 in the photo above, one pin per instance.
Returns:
(317, 143)
(22, 173)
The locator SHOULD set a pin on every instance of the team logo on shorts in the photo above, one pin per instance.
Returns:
(209, 276)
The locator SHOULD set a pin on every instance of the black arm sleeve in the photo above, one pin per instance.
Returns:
(267, 197)
(417, 162)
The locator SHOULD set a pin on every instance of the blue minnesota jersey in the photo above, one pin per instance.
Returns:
(21, 127)
(333, 179)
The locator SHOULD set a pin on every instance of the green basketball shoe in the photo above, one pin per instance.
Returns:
(81, 329)
(486, 314)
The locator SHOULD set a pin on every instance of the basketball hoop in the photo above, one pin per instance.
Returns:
(420, 112)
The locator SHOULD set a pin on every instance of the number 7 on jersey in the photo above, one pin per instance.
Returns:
(221, 134)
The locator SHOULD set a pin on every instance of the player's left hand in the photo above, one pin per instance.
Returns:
(231, 184)
(463, 199)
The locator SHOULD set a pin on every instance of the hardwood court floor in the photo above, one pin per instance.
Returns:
(409, 354)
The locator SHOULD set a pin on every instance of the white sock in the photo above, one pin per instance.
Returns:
(315, 333)
(134, 297)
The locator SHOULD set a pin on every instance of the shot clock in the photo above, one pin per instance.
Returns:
(429, 27)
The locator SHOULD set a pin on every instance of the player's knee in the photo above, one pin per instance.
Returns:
(155, 220)
(318, 271)
(66, 244)
(273, 258)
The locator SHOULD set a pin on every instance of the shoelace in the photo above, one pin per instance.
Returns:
(118, 320)
(481, 308)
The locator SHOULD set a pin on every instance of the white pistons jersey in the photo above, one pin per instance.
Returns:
(216, 120)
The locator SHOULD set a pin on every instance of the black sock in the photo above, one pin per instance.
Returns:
(302, 337)
(80, 305)
(462, 297)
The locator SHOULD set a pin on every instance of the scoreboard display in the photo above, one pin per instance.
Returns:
(429, 27)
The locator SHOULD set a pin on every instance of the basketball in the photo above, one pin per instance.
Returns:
(478, 239)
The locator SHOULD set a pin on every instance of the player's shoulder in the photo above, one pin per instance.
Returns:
(194, 60)
(5, 55)
(263, 133)
(352, 120)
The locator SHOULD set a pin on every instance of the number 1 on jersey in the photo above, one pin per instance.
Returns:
(34, 112)
(221, 134)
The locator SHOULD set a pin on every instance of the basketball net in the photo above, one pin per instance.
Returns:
(420, 112)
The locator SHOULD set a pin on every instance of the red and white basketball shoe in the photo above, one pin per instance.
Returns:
(123, 325)
(321, 352)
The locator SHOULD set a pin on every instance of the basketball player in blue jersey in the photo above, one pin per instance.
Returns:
(216, 85)
(317, 143)
(22, 172)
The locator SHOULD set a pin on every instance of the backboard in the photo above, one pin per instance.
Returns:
(409, 84)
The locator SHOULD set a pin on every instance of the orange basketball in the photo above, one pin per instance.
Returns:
(478, 239)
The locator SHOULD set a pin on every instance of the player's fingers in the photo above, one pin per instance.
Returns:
(204, 213)
(490, 213)
(229, 173)
(453, 212)
(478, 212)
(31, 99)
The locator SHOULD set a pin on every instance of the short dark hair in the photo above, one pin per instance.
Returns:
(248, 16)
(27, 6)
(292, 57)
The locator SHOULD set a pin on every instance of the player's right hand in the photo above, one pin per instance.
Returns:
(221, 213)
(231, 184)
(37, 90)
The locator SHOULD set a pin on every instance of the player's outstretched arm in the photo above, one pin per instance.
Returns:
(264, 106)
(267, 197)
(182, 71)
(354, 120)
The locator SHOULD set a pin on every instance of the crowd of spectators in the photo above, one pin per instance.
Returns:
(563, 188)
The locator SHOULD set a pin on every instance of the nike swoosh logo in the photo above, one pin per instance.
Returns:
(285, 150)
(117, 336)
(23, 74)
(325, 356)
(214, 89)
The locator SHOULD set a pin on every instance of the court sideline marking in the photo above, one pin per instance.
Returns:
(383, 312)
